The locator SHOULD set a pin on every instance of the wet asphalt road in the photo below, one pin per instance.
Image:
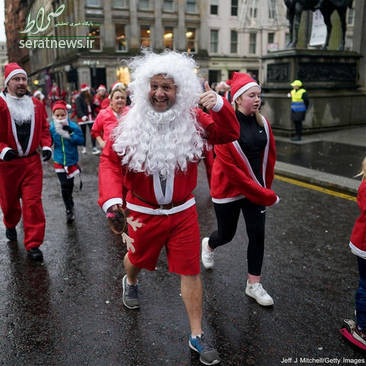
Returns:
(68, 311)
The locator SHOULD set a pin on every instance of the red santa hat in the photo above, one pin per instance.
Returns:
(115, 84)
(60, 104)
(11, 70)
(37, 92)
(240, 83)
(101, 87)
(84, 87)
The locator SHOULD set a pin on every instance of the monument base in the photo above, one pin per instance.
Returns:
(330, 78)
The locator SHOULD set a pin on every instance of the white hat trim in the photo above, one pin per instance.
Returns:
(243, 89)
(84, 89)
(13, 73)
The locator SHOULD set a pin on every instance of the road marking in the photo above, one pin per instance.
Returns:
(315, 188)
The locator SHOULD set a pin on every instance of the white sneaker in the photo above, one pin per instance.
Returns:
(258, 293)
(207, 256)
(95, 151)
(83, 150)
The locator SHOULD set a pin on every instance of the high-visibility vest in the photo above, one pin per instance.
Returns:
(297, 104)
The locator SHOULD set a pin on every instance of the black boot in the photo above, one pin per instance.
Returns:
(35, 254)
(11, 234)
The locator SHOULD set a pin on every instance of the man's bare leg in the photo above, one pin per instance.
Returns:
(131, 271)
(191, 289)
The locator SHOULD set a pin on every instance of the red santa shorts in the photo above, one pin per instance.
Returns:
(180, 235)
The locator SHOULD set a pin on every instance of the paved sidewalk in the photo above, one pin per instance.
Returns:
(318, 156)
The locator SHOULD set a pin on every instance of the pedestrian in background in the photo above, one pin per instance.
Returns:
(358, 247)
(99, 97)
(241, 180)
(85, 111)
(23, 129)
(299, 106)
(108, 118)
(66, 136)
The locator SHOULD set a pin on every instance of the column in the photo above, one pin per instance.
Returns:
(157, 41)
(180, 37)
(109, 31)
(134, 28)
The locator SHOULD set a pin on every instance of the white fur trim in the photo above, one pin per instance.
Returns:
(243, 89)
(219, 103)
(111, 202)
(13, 73)
(4, 151)
(162, 199)
(73, 174)
(356, 251)
(158, 211)
(84, 89)
(266, 149)
(46, 148)
(227, 200)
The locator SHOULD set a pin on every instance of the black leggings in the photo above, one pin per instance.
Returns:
(227, 215)
(67, 186)
(83, 129)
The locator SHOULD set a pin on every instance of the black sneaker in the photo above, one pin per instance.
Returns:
(35, 254)
(130, 297)
(11, 234)
(70, 217)
(208, 354)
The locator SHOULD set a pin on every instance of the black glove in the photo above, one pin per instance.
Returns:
(46, 155)
(68, 129)
(10, 155)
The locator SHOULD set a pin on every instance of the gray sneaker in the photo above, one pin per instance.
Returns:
(130, 295)
(208, 354)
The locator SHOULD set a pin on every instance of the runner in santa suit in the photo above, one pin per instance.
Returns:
(241, 180)
(23, 128)
(99, 98)
(151, 166)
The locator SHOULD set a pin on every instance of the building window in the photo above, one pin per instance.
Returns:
(234, 8)
(119, 4)
(95, 3)
(234, 41)
(214, 40)
(191, 40)
(214, 8)
(287, 38)
(168, 5)
(271, 37)
(168, 38)
(191, 6)
(253, 10)
(144, 4)
(252, 43)
(121, 39)
(94, 33)
(272, 9)
(351, 17)
(145, 35)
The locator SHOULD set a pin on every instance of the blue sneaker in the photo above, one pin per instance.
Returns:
(208, 354)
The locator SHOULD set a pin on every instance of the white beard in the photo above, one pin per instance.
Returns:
(59, 123)
(154, 142)
(21, 109)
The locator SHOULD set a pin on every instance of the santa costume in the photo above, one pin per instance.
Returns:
(242, 176)
(23, 129)
(98, 99)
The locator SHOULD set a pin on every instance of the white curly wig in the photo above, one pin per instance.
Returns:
(161, 142)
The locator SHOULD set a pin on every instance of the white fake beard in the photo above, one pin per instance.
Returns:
(155, 142)
(59, 123)
(21, 109)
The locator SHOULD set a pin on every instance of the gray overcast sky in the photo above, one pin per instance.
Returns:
(2, 29)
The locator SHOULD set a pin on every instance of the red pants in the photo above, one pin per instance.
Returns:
(21, 179)
(178, 233)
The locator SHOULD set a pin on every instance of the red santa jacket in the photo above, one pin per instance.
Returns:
(105, 122)
(358, 236)
(116, 182)
(232, 176)
(40, 134)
